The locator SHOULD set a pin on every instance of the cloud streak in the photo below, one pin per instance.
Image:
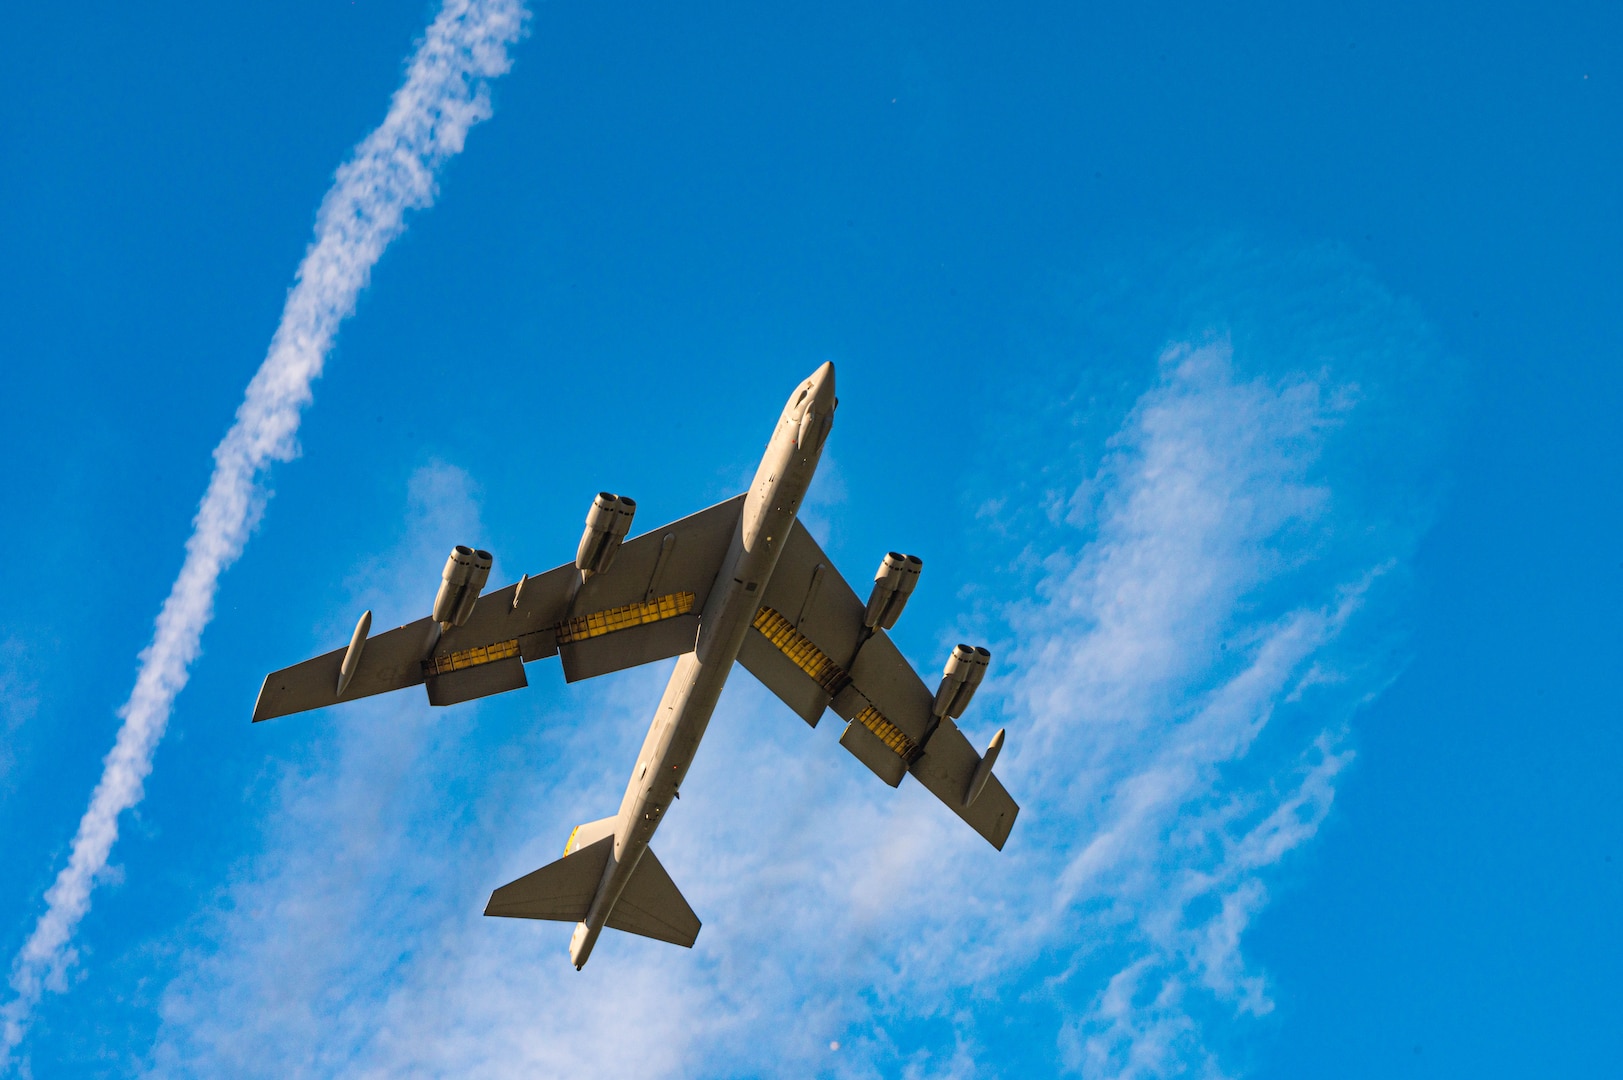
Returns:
(391, 172)
(1151, 666)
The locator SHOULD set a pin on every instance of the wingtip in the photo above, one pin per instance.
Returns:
(260, 709)
(1009, 831)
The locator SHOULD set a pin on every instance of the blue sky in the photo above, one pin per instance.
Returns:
(1248, 381)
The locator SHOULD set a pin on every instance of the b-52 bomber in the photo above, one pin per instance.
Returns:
(742, 581)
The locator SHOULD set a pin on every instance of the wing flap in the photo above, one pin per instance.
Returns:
(867, 748)
(785, 678)
(891, 685)
(809, 592)
(629, 648)
(477, 682)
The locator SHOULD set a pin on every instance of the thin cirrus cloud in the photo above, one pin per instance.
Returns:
(391, 171)
(1180, 685)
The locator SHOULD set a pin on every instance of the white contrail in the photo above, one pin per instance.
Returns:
(391, 171)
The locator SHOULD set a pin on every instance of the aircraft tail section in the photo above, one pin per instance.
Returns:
(649, 906)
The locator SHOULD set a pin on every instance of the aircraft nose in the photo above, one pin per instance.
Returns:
(823, 384)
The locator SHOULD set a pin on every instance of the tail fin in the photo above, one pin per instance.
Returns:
(590, 833)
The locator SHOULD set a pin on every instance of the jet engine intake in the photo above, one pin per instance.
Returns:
(463, 578)
(965, 669)
(897, 577)
(607, 523)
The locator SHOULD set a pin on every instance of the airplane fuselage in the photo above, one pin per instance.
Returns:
(690, 698)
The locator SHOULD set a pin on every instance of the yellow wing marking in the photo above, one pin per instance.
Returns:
(467, 658)
(799, 648)
(888, 733)
(623, 618)
(580, 628)
(830, 676)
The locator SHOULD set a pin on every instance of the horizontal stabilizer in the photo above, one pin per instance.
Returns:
(653, 907)
(561, 891)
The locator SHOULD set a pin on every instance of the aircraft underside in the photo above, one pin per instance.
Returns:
(740, 582)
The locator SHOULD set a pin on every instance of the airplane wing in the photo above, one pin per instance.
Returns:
(811, 648)
(645, 607)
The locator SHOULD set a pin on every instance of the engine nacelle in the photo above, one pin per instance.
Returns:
(897, 577)
(463, 578)
(607, 523)
(965, 669)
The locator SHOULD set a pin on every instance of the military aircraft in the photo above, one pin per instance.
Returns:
(742, 581)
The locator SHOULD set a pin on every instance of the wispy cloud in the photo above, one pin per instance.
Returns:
(391, 172)
(1152, 664)
(19, 700)
(1178, 690)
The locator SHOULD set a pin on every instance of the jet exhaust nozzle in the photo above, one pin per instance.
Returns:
(607, 524)
(466, 571)
(894, 582)
(965, 669)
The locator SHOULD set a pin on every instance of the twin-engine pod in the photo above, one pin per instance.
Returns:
(607, 523)
(965, 669)
(897, 577)
(465, 574)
